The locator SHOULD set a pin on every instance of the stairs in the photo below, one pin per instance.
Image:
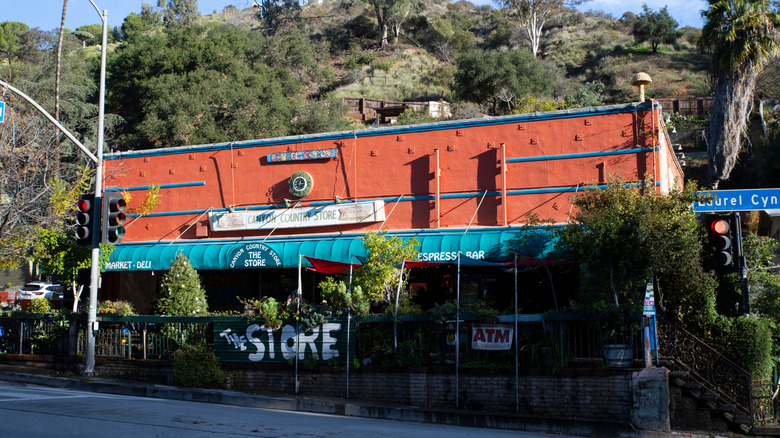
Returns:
(695, 406)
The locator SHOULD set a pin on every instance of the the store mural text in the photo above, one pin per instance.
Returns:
(257, 343)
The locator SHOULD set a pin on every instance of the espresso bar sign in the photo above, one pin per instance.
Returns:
(336, 214)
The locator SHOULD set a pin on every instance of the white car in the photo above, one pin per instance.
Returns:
(38, 289)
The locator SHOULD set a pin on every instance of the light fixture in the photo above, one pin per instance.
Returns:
(231, 208)
(287, 203)
(337, 200)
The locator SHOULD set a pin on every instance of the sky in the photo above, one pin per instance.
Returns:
(46, 14)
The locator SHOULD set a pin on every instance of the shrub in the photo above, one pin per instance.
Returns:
(266, 310)
(196, 366)
(118, 308)
(39, 306)
(310, 362)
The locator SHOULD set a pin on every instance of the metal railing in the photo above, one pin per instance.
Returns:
(685, 352)
(544, 341)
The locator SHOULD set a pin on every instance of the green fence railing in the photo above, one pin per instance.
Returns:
(553, 341)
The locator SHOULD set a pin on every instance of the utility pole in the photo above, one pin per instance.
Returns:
(95, 268)
(94, 277)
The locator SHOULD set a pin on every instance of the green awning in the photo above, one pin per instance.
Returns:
(284, 252)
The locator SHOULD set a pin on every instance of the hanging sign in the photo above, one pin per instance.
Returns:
(255, 255)
(335, 214)
(2, 112)
(491, 336)
(649, 307)
(316, 154)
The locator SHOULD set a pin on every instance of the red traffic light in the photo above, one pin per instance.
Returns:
(720, 226)
(85, 225)
(83, 204)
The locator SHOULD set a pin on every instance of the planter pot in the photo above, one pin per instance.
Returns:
(618, 355)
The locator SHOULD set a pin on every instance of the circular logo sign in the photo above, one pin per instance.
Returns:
(301, 184)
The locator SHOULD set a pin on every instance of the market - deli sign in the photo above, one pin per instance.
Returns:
(336, 214)
(241, 342)
(491, 336)
(316, 154)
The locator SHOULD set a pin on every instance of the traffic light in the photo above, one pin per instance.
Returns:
(721, 232)
(112, 230)
(85, 211)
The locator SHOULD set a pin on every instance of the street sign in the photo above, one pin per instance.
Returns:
(739, 200)
(2, 112)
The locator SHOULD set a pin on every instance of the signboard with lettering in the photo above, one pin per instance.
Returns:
(739, 200)
(316, 154)
(255, 255)
(648, 309)
(336, 214)
(254, 342)
(491, 336)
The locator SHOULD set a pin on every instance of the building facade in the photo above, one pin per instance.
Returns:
(245, 212)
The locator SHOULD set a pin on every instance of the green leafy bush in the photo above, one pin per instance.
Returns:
(310, 362)
(196, 366)
(265, 310)
(40, 306)
(118, 308)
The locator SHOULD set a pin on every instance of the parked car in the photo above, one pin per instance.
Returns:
(38, 289)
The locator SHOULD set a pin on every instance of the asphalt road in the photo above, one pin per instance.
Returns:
(29, 411)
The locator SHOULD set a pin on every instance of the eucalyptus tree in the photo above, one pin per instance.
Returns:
(530, 16)
(740, 36)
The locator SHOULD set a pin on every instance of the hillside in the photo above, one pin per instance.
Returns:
(420, 64)
(239, 74)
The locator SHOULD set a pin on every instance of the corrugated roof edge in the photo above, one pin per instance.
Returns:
(391, 130)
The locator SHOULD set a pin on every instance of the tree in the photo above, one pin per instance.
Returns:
(10, 32)
(178, 13)
(59, 256)
(181, 293)
(57, 74)
(501, 78)
(205, 84)
(389, 12)
(624, 233)
(656, 27)
(530, 16)
(380, 273)
(740, 37)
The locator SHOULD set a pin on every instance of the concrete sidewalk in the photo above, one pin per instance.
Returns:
(348, 407)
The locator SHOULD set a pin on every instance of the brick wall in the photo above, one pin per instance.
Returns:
(588, 394)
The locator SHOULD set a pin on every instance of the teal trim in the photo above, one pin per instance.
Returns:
(162, 186)
(406, 129)
(581, 155)
(489, 244)
(407, 198)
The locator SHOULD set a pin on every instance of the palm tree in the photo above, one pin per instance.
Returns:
(739, 35)
(57, 80)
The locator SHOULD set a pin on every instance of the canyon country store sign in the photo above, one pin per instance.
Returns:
(336, 214)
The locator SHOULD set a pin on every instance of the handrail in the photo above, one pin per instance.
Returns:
(706, 366)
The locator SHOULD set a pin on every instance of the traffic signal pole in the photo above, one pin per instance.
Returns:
(742, 266)
(95, 270)
(94, 277)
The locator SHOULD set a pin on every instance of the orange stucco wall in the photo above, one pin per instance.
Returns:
(401, 161)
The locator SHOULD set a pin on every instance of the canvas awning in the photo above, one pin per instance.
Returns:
(283, 252)
(331, 267)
